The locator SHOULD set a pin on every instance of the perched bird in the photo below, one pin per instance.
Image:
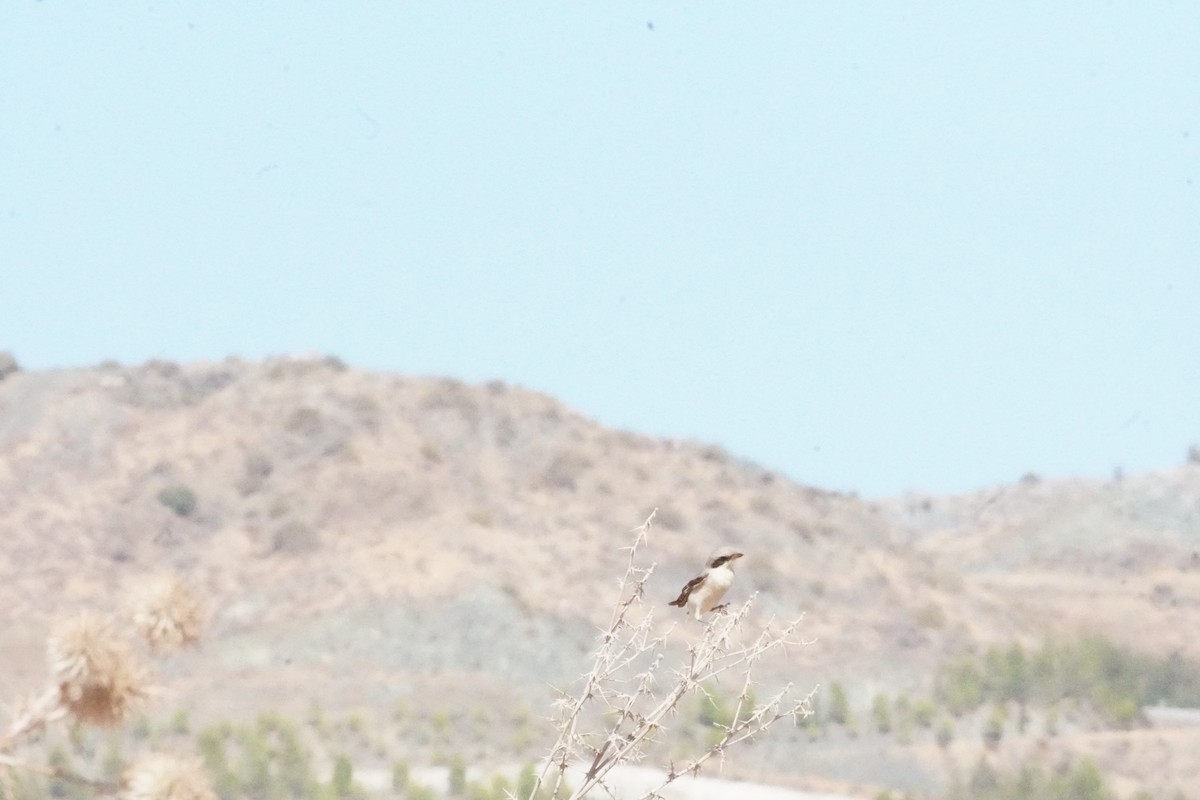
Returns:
(703, 592)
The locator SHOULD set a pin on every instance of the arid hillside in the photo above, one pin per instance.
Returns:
(369, 539)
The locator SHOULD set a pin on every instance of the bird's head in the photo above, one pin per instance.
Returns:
(724, 555)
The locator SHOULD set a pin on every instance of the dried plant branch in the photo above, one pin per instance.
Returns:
(167, 612)
(59, 773)
(31, 717)
(628, 688)
(96, 678)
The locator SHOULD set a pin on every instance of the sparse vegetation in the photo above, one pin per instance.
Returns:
(481, 517)
(881, 712)
(993, 729)
(1080, 780)
(930, 615)
(809, 550)
(923, 712)
(944, 734)
(304, 422)
(1114, 682)
(294, 537)
(457, 785)
(839, 704)
(178, 498)
(180, 726)
(342, 784)
(256, 468)
(565, 470)
(431, 453)
(400, 772)
(8, 364)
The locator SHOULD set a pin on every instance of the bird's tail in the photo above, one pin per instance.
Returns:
(678, 602)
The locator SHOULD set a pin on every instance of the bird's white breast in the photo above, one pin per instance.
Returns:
(715, 585)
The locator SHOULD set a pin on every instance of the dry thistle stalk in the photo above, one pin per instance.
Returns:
(156, 776)
(626, 682)
(30, 715)
(97, 679)
(167, 613)
(98, 676)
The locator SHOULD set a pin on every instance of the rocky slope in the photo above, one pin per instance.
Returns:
(365, 537)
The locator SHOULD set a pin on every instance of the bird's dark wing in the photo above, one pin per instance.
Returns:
(681, 601)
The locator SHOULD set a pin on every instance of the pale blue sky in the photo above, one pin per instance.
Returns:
(875, 246)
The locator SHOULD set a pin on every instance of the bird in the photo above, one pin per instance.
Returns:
(702, 593)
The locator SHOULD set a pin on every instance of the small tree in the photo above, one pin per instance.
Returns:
(945, 733)
(342, 784)
(923, 712)
(960, 686)
(458, 776)
(400, 777)
(179, 499)
(527, 783)
(993, 729)
(1051, 723)
(839, 705)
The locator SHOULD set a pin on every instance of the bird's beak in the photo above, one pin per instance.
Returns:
(736, 555)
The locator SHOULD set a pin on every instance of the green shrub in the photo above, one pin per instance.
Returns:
(216, 761)
(1006, 673)
(293, 538)
(882, 714)
(984, 780)
(419, 791)
(930, 615)
(63, 789)
(526, 782)
(342, 784)
(1083, 782)
(357, 725)
(839, 704)
(263, 760)
(565, 469)
(945, 733)
(179, 499)
(400, 777)
(1052, 721)
(180, 726)
(113, 764)
(1114, 682)
(140, 727)
(715, 710)
(256, 468)
(923, 712)
(501, 788)
(993, 729)
(960, 686)
(8, 364)
(458, 776)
